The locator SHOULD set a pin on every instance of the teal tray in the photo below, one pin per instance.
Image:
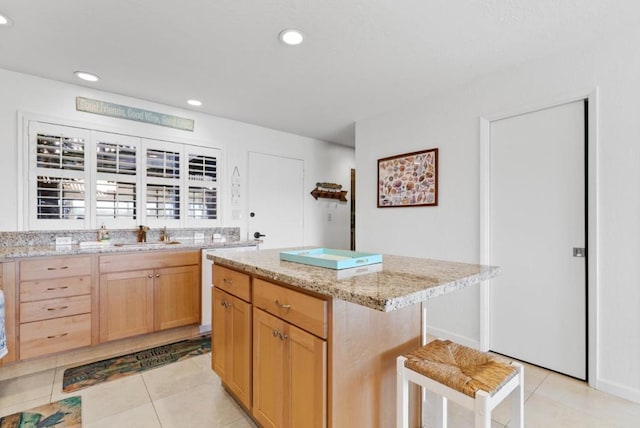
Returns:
(332, 259)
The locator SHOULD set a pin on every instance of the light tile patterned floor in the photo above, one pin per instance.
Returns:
(188, 394)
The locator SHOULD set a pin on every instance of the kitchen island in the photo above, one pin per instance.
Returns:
(319, 345)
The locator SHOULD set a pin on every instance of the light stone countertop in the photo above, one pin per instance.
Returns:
(10, 253)
(395, 283)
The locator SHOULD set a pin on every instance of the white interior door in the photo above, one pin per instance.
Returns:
(275, 196)
(537, 212)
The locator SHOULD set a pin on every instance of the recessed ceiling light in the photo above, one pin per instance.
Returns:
(5, 21)
(194, 103)
(87, 76)
(291, 37)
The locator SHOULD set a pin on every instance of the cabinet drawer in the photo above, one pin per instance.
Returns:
(147, 260)
(54, 308)
(31, 291)
(232, 282)
(302, 310)
(56, 335)
(55, 267)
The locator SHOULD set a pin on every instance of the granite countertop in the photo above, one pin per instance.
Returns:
(395, 283)
(8, 253)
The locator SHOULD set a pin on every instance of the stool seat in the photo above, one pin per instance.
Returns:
(475, 380)
(464, 369)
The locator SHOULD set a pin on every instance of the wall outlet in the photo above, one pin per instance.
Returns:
(329, 217)
(63, 240)
(198, 236)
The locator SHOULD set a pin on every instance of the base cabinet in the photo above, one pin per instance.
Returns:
(55, 305)
(290, 378)
(177, 296)
(231, 341)
(146, 292)
(126, 304)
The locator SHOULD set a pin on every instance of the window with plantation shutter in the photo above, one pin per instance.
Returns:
(81, 179)
(203, 185)
(163, 183)
(58, 176)
(116, 179)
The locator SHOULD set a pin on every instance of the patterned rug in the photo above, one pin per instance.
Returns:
(63, 413)
(101, 371)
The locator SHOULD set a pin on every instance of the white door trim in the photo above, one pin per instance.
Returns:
(592, 223)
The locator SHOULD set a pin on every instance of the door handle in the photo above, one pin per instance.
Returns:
(258, 235)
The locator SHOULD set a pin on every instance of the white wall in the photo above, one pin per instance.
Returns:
(450, 121)
(28, 95)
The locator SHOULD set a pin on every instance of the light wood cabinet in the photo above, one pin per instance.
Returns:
(231, 338)
(126, 304)
(289, 376)
(8, 284)
(56, 303)
(148, 291)
(177, 296)
(319, 361)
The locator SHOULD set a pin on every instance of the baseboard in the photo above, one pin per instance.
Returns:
(622, 391)
(461, 340)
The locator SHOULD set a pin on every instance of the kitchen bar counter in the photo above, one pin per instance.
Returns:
(395, 283)
(10, 253)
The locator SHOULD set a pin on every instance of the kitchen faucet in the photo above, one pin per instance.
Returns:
(142, 233)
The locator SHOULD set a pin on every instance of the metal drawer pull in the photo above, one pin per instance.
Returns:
(57, 336)
(57, 309)
(61, 268)
(157, 275)
(278, 333)
(150, 276)
(57, 288)
(228, 281)
(225, 304)
(281, 306)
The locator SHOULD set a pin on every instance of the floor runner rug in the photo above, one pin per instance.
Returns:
(113, 368)
(64, 413)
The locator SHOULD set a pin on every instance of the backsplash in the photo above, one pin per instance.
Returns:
(38, 238)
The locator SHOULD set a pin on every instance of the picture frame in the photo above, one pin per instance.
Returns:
(408, 180)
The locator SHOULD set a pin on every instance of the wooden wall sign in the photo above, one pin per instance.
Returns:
(329, 191)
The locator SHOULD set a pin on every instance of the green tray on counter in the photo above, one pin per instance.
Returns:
(331, 259)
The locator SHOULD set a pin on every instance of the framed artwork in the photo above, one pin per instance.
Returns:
(408, 180)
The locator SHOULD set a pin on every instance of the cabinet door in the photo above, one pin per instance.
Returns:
(220, 331)
(231, 338)
(238, 376)
(177, 296)
(126, 304)
(306, 379)
(268, 369)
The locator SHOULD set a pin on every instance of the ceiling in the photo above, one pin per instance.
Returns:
(360, 57)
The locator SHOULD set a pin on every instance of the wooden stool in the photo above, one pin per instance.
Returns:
(471, 378)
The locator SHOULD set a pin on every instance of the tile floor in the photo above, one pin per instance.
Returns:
(188, 394)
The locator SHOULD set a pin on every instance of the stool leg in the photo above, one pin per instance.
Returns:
(517, 400)
(402, 395)
(441, 411)
(483, 414)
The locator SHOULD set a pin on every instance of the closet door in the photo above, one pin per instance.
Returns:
(538, 237)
